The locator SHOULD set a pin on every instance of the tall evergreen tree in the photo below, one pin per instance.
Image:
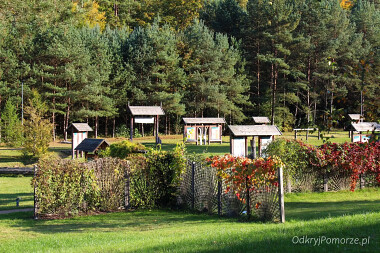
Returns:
(216, 87)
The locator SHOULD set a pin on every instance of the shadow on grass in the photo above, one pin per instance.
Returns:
(242, 238)
(8, 201)
(321, 210)
(273, 240)
(137, 220)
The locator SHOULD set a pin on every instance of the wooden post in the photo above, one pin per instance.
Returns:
(35, 209)
(127, 188)
(221, 135)
(131, 130)
(295, 134)
(157, 126)
(231, 145)
(72, 145)
(259, 146)
(281, 194)
(352, 136)
(209, 134)
(253, 147)
(319, 134)
(193, 185)
(325, 183)
(246, 146)
(307, 134)
(289, 184)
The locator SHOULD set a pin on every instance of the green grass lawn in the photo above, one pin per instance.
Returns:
(315, 215)
(15, 187)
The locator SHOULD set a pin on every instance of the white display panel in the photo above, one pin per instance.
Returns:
(238, 148)
(145, 120)
(215, 134)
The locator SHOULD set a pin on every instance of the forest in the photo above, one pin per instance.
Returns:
(299, 62)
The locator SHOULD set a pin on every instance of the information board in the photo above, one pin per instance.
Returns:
(238, 148)
(215, 134)
(190, 134)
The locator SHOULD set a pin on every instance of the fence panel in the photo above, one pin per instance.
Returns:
(201, 190)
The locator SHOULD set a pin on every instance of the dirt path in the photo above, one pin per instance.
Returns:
(16, 210)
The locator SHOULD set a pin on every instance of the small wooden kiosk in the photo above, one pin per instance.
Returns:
(261, 120)
(362, 131)
(203, 130)
(239, 138)
(146, 115)
(79, 132)
(92, 146)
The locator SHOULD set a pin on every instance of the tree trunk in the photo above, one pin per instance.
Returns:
(113, 127)
(258, 79)
(106, 128)
(96, 126)
(308, 90)
(67, 117)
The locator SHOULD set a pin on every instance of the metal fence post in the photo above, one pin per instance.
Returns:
(219, 196)
(192, 185)
(281, 194)
(35, 209)
(362, 181)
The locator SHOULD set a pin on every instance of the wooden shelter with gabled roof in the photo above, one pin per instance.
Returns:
(362, 131)
(92, 146)
(146, 115)
(239, 138)
(261, 120)
(79, 132)
(203, 130)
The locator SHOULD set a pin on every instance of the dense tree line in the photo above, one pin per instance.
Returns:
(299, 62)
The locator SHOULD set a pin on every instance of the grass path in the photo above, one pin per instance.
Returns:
(316, 215)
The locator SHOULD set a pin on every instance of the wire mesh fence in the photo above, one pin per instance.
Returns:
(317, 182)
(202, 190)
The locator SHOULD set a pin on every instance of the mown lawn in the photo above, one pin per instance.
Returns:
(315, 215)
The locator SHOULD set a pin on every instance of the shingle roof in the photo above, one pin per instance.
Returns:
(90, 145)
(255, 130)
(146, 110)
(80, 127)
(204, 121)
(354, 116)
(366, 126)
(261, 120)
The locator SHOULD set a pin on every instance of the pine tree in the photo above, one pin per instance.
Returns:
(269, 33)
(216, 84)
(366, 17)
(152, 54)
